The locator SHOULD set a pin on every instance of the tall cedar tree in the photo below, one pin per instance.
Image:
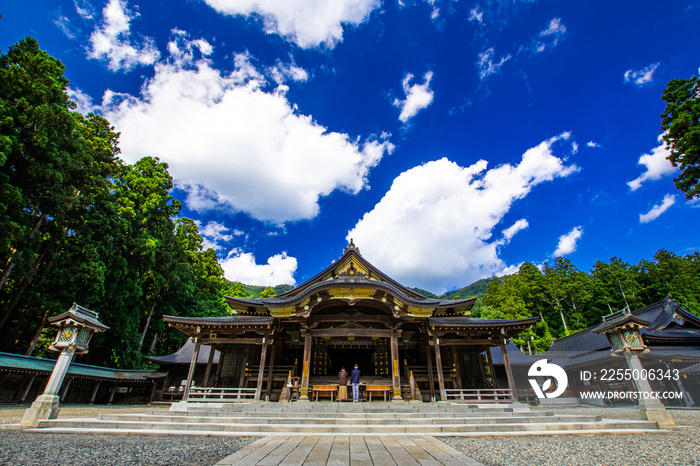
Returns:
(681, 123)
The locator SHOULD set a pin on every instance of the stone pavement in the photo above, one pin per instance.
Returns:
(339, 450)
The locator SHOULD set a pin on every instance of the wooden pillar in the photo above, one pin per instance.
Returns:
(193, 366)
(304, 390)
(441, 377)
(25, 392)
(431, 380)
(209, 362)
(509, 370)
(94, 392)
(261, 369)
(219, 367)
(492, 370)
(395, 375)
(153, 392)
(270, 374)
(65, 388)
(111, 394)
(458, 369)
(241, 381)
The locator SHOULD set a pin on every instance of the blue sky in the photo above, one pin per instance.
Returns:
(452, 139)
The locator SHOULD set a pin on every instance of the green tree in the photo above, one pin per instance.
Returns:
(268, 292)
(681, 123)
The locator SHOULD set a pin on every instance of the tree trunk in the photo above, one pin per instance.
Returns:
(37, 334)
(148, 322)
(15, 299)
(18, 255)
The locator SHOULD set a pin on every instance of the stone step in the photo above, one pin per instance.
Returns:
(432, 429)
(118, 418)
(341, 415)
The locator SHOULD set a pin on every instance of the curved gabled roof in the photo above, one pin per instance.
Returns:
(358, 279)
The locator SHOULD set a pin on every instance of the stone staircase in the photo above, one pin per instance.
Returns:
(263, 418)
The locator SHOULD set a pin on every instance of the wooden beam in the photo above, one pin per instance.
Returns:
(94, 392)
(209, 363)
(270, 370)
(395, 375)
(441, 377)
(239, 341)
(431, 379)
(190, 373)
(509, 370)
(492, 370)
(353, 332)
(304, 389)
(261, 371)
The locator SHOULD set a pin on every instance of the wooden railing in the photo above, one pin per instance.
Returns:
(213, 394)
(491, 395)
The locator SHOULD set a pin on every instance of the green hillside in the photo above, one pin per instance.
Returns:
(474, 290)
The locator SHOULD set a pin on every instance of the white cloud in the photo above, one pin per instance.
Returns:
(475, 14)
(487, 66)
(283, 72)
(82, 100)
(657, 165)
(111, 41)
(234, 147)
(308, 23)
(641, 77)
(418, 96)
(658, 209)
(435, 227)
(567, 242)
(555, 28)
(241, 267)
(509, 232)
(215, 233)
(592, 145)
(547, 38)
(84, 8)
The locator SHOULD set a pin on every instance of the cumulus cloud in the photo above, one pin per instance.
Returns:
(111, 40)
(658, 209)
(307, 23)
(641, 77)
(486, 64)
(592, 145)
(657, 165)
(418, 96)
(436, 226)
(567, 242)
(81, 99)
(241, 267)
(234, 146)
(214, 234)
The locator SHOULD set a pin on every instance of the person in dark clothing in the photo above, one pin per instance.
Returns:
(342, 384)
(355, 381)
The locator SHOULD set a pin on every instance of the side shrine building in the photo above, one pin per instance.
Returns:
(293, 346)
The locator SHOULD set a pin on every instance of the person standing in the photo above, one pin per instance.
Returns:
(342, 384)
(355, 380)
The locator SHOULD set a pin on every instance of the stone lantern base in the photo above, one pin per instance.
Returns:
(660, 415)
(45, 407)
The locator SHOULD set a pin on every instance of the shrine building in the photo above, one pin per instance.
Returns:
(293, 346)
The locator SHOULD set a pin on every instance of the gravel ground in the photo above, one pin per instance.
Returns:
(24, 448)
(682, 446)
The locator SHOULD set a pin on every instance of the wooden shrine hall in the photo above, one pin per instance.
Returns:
(292, 347)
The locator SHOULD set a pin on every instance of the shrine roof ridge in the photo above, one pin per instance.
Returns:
(353, 282)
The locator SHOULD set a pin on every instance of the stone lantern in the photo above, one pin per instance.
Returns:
(622, 330)
(76, 328)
